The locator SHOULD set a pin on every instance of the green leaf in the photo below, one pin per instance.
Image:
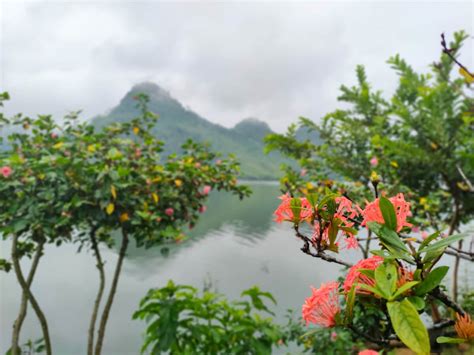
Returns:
(312, 199)
(350, 305)
(443, 242)
(326, 200)
(295, 205)
(388, 237)
(418, 302)
(408, 326)
(367, 272)
(428, 240)
(371, 289)
(386, 279)
(405, 287)
(388, 213)
(432, 280)
(449, 340)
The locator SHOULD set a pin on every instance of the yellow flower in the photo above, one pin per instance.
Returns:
(394, 164)
(156, 198)
(178, 182)
(136, 130)
(124, 217)
(309, 186)
(110, 208)
(91, 148)
(58, 145)
(374, 177)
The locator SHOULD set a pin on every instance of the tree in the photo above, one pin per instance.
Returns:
(76, 184)
(419, 142)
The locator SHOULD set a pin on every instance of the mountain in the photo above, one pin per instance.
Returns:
(177, 123)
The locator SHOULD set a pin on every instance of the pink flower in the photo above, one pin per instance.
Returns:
(424, 235)
(368, 352)
(284, 212)
(202, 209)
(206, 189)
(415, 229)
(374, 161)
(303, 172)
(372, 212)
(218, 162)
(54, 135)
(197, 165)
(323, 305)
(169, 211)
(6, 171)
(138, 153)
(351, 242)
(333, 336)
(355, 277)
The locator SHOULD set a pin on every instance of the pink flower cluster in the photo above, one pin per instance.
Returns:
(285, 213)
(322, 306)
(368, 352)
(372, 212)
(6, 171)
(346, 212)
(354, 276)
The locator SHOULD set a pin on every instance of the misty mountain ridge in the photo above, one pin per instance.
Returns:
(177, 123)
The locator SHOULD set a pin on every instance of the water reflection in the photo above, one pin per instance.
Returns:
(249, 219)
(235, 246)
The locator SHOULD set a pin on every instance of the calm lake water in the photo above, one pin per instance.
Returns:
(235, 245)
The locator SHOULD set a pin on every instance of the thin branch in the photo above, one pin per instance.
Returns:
(444, 298)
(24, 301)
(466, 180)
(100, 267)
(448, 51)
(29, 295)
(320, 253)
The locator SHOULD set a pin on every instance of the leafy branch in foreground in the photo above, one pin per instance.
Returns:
(399, 279)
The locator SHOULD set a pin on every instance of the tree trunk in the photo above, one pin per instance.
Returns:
(110, 299)
(24, 303)
(30, 297)
(100, 267)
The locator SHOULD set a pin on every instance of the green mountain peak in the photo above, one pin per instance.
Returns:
(176, 124)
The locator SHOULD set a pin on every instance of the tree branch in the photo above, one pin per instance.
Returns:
(100, 267)
(444, 298)
(24, 302)
(320, 253)
(29, 295)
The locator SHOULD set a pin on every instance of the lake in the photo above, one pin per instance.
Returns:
(235, 245)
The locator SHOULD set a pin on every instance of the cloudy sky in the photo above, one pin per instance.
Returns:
(224, 60)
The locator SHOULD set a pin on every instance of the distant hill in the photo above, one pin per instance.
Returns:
(176, 124)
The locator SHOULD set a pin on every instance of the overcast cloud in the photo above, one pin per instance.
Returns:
(226, 61)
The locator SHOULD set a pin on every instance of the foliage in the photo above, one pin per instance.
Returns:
(183, 322)
(73, 183)
(31, 347)
(419, 142)
(397, 282)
